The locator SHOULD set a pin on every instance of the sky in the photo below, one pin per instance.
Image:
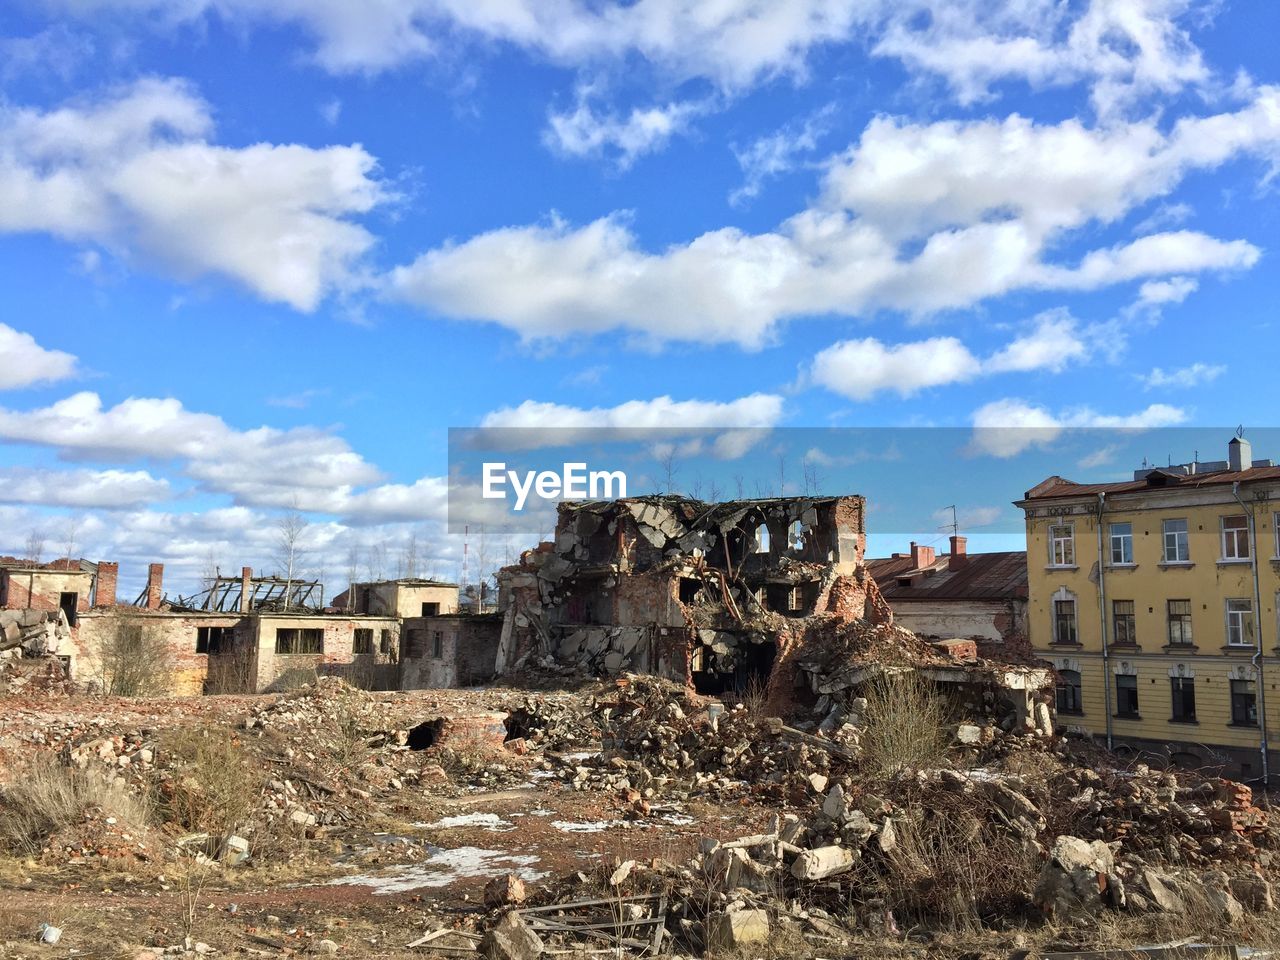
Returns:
(259, 256)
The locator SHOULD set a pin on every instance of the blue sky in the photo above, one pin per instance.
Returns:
(265, 254)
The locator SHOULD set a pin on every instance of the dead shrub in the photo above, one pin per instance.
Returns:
(133, 658)
(954, 864)
(907, 725)
(49, 797)
(294, 678)
(231, 672)
(213, 789)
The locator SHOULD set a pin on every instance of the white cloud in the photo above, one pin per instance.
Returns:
(858, 369)
(1173, 290)
(1053, 344)
(133, 171)
(24, 362)
(777, 153)
(586, 132)
(1005, 428)
(107, 489)
(1184, 377)
(915, 218)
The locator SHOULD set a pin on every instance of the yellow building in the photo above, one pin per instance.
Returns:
(1156, 601)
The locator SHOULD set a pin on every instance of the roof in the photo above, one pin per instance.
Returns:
(1059, 487)
(984, 576)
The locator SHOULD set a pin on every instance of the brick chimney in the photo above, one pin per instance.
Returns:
(246, 574)
(104, 589)
(959, 554)
(921, 556)
(155, 581)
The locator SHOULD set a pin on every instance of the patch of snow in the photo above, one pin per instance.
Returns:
(443, 869)
(489, 821)
(590, 826)
(676, 819)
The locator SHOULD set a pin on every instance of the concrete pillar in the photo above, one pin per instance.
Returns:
(104, 589)
(155, 584)
(246, 574)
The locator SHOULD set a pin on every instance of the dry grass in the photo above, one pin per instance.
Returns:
(50, 796)
(907, 725)
(214, 789)
(134, 660)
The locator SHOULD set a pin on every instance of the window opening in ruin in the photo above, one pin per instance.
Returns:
(795, 536)
(214, 640)
(689, 588)
(426, 734)
(384, 642)
(362, 641)
(431, 609)
(68, 603)
(762, 539)
(299, 640)
(437, 645)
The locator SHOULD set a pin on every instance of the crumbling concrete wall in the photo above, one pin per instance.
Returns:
(997, 620)
(37, 588)
(450, 651)
(376, 670)
(399, 598)
(181, 670)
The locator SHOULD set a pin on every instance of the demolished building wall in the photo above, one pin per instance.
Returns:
(448, 651)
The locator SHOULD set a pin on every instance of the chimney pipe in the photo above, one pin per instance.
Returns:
(959, 552)
(104, 588)
(155, 579)
(1239, 454)
(921, 556)
(246, 574)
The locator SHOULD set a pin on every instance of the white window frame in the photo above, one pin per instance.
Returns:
(1276, 526)
(1164, 540)
(1123, 538)
(1069, 556)
(1238, 620)
(1231, 537)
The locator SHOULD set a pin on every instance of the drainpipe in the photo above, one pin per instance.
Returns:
(1257, 626)
(1102, 620)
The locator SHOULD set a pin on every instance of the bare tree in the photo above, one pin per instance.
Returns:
(73, 530)
(741, 486)
(290, 530)
(353, 564)
(782, 475)
(376, 560)
(409, 556)
(695, 488)
(35, 545)
(812, 479)
(209, 573)
(669, 469)
(482, 565)
(714, 492)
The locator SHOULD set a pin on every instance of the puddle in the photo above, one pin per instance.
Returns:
(590, 826)
(488, 821)
(443, 869)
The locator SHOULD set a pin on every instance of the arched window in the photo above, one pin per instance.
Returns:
(762, 539)
(1069, 694)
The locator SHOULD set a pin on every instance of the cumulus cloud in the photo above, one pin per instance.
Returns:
(588, 131)
(1184, 377)
(859, 369)
(773, 155)
(106, 489)
(915, 218)
(133, 171)
(1005, 428)
(24, 362)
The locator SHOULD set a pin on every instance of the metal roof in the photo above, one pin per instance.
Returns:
(985, 576)
(1057, 487)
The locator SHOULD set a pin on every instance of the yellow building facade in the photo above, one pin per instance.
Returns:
(1156, 600)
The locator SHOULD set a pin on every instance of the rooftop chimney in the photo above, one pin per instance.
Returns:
(246, 574)
(1239, 454)
(959, 554)
(921, 556)
(104, 589)
(155, 578)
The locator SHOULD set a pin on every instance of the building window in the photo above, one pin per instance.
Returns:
(1276, 524)
(384, 642)
(431, 609)
(1235, 538)
(1062, 545)
(1069, 698)
(1183, 692)
(1124, 624)
(1064, 621)
(795, 536)
(1126, 696)
(762, 539)
(1240, 623)
(1244, 703)
(294, 640)
(214, 640)
(362, 640)
(1179, 623)
(69, 603)
(437, 645)
(1176, 546)
(1121, 543)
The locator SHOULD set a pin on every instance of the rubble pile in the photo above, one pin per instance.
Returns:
(550, 725)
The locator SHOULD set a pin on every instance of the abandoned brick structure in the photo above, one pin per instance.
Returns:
(681, 588)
